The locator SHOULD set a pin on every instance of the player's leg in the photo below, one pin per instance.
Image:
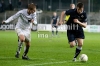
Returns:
(76, 43)
(56, 30)
(71, 38)
(19, 48)
(53, 30)
(78, 48)
(21, 39)
(27, 45)
(72, 44)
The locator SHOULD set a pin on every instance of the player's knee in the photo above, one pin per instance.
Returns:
(72, 45)
(27, 44)
(22, 38)
(80, 45)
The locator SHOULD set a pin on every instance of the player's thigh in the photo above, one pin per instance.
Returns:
(56, 28)
(21, 37)
(20, 34)
(80, 41)
(71, 38)
(27, 34)
(53, 28)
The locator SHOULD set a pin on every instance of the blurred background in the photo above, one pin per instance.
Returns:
(45, 9)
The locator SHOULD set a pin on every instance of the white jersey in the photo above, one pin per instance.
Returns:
(23, 18)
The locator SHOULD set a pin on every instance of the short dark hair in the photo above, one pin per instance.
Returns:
(32, 6)
(80, 5)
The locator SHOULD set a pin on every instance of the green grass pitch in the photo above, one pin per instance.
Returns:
(51, 51)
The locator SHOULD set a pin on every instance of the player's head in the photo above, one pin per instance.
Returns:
(80, 7)
(54, 14)
(31, 8)
(72, 6)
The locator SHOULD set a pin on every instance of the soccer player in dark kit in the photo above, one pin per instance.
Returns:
(75, 24)
(54, 23)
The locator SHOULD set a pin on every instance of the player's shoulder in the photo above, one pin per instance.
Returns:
(23, 10)
(84, 12)
(34, 13)
(71, 10)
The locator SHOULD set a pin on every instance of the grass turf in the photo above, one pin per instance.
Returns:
(51, 51)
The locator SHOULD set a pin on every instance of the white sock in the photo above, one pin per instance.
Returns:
(80, 48)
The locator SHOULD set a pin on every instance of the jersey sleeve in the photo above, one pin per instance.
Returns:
(84, 18)
(67, 12)
(35, 18)
(13, 17)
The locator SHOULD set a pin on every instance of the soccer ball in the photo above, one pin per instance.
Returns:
(83, 58)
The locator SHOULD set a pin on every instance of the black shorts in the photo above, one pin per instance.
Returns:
(72, 35)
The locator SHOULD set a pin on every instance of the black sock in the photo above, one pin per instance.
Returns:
(53, 32)
(77, 52)
(56, 32)
(26, 51)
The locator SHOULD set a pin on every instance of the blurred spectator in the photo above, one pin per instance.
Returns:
(19, 4)
(10, 6)
(2, 6)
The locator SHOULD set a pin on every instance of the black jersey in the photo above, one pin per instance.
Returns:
(54, 18)
(74, 15)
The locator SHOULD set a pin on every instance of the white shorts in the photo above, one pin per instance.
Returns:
(25, 32)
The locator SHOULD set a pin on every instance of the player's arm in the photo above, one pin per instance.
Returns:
(67, 12)
(66, 18)
(61, 17)
(34, 20)
(83, 24)
(12, 17)
(51, 20)
(84, 21)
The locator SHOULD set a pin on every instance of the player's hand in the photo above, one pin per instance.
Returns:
(76, 21)
(60, 23)
(3, 22)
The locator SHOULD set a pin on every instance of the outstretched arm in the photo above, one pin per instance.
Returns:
(12, 17)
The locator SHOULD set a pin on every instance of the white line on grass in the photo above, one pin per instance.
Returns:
(49, 63)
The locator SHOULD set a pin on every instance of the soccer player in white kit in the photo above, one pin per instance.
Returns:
(26, 18)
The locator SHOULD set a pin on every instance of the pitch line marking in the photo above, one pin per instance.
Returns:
(49, 63)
